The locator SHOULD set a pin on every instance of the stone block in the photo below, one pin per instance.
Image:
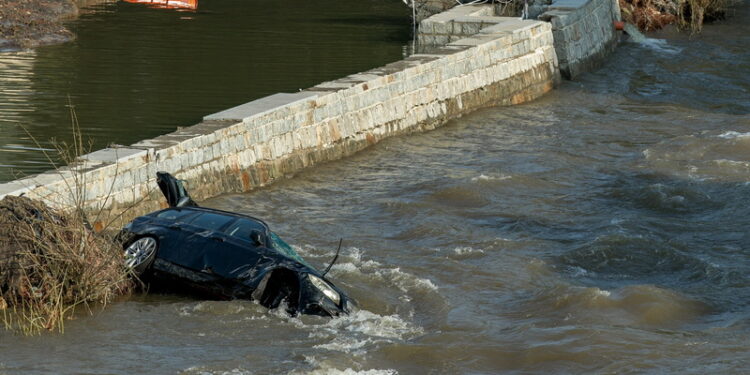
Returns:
(256, 107)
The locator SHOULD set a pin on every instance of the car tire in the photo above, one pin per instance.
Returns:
(140, 254)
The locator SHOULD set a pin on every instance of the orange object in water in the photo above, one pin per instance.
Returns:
(619, 25)
(169, 4)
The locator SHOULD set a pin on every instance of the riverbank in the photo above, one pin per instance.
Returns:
(33, 23)
(650, 15)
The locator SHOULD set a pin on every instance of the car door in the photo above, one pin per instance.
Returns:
(237, 258)
(172, 239)
(203, 239)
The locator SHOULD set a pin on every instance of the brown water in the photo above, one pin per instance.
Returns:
(601, 229)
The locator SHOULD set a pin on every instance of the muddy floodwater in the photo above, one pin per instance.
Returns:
(601, 229)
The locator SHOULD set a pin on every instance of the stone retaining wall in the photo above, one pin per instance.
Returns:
(584, 32)
(253, 144)
(457, 23)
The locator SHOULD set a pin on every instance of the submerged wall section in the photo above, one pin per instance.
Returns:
(255, 143)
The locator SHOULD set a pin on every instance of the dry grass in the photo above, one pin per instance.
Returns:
(651, 15)
(50, 264)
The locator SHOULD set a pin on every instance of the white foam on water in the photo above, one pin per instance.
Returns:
(349, 371)
(484, 177)
(578, 271)
(731, 163)
(360, 330)
(733, 135)
(380, 273)
(373, 325)
(323, 367)
(467, 250)
(196, 370)
(659, 45)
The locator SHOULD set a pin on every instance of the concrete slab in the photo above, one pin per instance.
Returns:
(14, 188)
(441, 50)
(156, 144)
(423, 57)
(241, 112)
(363, 77)
(510, 26)
(203, 128)
(44, 179)
(112, 155)
(337, 85)
(468, 42)
(488, 20)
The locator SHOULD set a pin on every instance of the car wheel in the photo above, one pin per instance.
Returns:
(140, 254)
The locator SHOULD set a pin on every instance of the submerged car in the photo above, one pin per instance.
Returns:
(224, 255)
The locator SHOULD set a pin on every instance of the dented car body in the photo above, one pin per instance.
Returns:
(225, 255)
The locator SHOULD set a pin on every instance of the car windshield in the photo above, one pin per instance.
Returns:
(242, 228)
(279, 245)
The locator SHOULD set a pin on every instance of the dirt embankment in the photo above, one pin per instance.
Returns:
(33, 23)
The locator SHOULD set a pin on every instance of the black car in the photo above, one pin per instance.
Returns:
(225, 255)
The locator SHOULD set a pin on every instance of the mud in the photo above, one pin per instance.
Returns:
(32, 23)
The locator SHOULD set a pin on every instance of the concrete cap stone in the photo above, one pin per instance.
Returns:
(247, 110)
(14, 188)
(113, 155)
(157, 143)
(363, 77)
(468, 42)
(510, 25)
(483, 19)
(335, 85)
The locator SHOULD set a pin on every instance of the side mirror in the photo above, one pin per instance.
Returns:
(257, 238)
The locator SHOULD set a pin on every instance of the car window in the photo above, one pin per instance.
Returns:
(175, 215)
(211, 221)
(243, 227)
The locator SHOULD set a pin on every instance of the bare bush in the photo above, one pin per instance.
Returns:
(690, 14)
(51, 261)
(50, 264)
